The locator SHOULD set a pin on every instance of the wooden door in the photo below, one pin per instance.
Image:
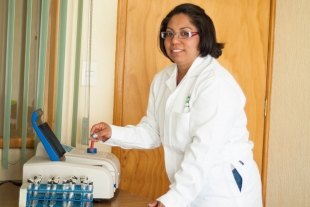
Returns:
(244, 28)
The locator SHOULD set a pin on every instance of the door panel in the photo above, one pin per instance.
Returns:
(244, 28)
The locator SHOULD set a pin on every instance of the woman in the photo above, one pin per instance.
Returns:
(195, 111)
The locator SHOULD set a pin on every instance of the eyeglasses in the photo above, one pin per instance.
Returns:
(180, 35)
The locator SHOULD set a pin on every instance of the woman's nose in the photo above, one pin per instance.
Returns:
(175, 38)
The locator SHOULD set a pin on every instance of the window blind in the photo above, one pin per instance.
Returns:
(24, 53)
(8, 83)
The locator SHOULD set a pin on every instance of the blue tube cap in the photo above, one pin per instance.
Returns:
(94, 151)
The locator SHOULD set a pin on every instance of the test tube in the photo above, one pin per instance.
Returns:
(29, 187)
(90, 186)
(56, 177)
(54, 188)
(83, 180)
(38, 178)
(73, 177)
(64, 195)
(92, 143)
(37, 181)
(46, 196)
(88, 197)
(30, 183)
(71, 194)
(84, 187)
(90, 189)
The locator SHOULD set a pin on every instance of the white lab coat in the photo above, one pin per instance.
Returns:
(201, 124)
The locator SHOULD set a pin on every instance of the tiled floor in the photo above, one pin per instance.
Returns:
(9, 195)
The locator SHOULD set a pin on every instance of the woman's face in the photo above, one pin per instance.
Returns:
(182, 51)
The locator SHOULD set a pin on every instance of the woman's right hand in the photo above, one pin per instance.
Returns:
(103, 130)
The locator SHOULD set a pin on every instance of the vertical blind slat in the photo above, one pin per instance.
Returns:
(8, 84)
(42, 56)
(60, 67)
(26, 80)
(77, 73)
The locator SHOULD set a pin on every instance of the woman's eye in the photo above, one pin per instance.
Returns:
(169, 34)
(184, 34)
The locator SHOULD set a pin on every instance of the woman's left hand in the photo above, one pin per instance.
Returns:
(156, 204)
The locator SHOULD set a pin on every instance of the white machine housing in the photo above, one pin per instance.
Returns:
(102, 168)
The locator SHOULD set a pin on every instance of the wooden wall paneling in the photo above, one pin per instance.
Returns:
(51, 64)
(119, 68)
(142, 171)
(244, 28)
(268, 97)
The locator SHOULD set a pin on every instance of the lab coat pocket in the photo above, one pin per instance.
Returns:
(242, 172)
(250, 175)
(180, 131)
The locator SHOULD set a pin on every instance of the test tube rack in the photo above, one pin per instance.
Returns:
(58, 198)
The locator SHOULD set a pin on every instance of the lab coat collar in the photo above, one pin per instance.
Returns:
(199, 64)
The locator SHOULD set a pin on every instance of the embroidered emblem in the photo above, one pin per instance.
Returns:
(187, 101)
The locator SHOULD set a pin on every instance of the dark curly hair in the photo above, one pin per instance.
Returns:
(198, 17)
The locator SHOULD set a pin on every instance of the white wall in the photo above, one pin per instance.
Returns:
(288, 180)
(96, 103)
(14, 172)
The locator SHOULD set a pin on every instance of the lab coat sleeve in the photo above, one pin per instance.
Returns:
(145, 135)
(212, 116)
